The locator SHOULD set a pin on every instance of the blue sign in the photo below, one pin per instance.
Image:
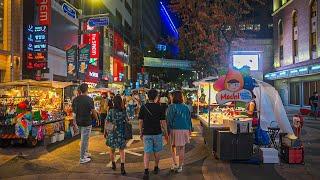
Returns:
(69, 10)
(99, 21)
(37, 38)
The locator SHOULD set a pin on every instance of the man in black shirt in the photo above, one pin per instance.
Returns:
(151, 122)
(313, 101)
(83, 107)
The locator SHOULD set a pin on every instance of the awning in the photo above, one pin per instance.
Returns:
(29, 82)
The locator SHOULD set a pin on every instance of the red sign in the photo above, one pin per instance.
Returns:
(94, 40)
(44, 12)
(118, 69)
(92, 74)
(36, 61)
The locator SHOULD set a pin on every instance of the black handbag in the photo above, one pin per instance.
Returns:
(127, 131)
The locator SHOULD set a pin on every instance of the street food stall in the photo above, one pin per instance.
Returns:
(228, 127)
(31, 111)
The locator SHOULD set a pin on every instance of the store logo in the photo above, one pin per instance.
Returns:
(44, 12)
(227, 96)
(94, 74)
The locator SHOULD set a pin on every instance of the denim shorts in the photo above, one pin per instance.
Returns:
(152, 143)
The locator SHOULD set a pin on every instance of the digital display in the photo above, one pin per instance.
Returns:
(246, 60)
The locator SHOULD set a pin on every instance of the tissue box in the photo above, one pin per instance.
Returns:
(269, 155)
(60, 136)
(54, 138)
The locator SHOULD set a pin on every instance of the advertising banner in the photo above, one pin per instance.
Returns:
(71, 55)
(84, 57)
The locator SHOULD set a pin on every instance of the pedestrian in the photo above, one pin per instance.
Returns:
(152, 125)
(163, 101)
(83, 107)
(115, 139)
(179, 128)
(103, 110)
(314, 101)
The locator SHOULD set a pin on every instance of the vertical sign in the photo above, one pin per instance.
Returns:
(84, 57)
(44, 12)
(71, 55)
(36, 47)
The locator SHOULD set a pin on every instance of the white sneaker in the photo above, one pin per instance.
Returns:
(179, 170)
(85, 160)
(174, 167)
(87, 155)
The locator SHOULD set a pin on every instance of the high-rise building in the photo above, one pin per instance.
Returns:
(296, 50)
(255, 50)
(10, 40)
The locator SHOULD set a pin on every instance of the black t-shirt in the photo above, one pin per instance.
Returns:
(314, 100)
(82, 106)
(151, 120)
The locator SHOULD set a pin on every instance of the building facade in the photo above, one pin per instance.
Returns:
(296, 50)
(256, 49)
(10, 40)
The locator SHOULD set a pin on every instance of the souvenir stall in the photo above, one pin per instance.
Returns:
(31, 111)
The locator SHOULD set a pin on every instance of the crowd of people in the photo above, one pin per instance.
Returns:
(162, 117)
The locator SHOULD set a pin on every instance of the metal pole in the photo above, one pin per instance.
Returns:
(209, 104)
(198, 106)
(11, 42)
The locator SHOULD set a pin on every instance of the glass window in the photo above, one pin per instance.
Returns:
(281, 52)
(295, 93)
(313, 35)
(306, 93)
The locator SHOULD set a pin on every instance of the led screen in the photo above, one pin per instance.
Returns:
(246, 60)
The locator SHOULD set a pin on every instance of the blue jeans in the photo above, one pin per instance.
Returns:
(152, 143)
(85, 134)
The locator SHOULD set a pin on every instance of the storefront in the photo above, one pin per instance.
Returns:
(296, 85)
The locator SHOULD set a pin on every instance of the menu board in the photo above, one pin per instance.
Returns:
(71, 55)
(84, 57)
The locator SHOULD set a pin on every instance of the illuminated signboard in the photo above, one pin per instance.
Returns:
(70, 11)
(44, 12)
(36, 47)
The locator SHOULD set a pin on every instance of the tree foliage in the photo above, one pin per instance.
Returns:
(208, 28)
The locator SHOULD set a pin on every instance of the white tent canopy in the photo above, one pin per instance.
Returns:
(271, 108)
(29, 82)
(206, 80)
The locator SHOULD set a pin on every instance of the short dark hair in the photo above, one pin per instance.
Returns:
(177, 97)
(152, 94)
(83, 88)
(118, 103)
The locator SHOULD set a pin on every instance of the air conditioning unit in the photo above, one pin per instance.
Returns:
(295, 33)
(314, 24)
(314, 55)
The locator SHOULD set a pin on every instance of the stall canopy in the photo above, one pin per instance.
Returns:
(29, 82)
(272, 111)
(206, 80)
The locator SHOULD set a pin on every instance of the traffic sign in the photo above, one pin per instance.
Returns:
(98, 21)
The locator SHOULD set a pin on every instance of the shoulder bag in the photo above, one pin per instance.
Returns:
(109, 126)
(127, 129)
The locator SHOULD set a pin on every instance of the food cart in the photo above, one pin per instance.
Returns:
(32, 111)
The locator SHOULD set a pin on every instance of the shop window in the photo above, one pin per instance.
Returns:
(308, 89)
(295, 93)
(118, 16)
(295, 36)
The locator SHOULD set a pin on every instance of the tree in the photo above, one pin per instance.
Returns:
(208, 28)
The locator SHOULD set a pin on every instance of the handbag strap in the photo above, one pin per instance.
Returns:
(147, 110)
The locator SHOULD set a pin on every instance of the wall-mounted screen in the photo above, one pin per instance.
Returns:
(251, 60)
